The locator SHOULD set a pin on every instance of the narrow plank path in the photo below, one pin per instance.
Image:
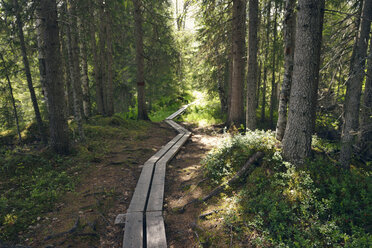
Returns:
(144, 222)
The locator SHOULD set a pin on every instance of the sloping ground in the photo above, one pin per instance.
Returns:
(85, 217)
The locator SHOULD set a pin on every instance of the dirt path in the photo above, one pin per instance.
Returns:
(184, 174)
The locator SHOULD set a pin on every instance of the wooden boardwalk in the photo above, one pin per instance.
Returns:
(144, 223)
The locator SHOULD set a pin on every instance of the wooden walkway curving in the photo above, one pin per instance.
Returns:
(144, 223)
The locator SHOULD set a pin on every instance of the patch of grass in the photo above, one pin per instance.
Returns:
(281, 205)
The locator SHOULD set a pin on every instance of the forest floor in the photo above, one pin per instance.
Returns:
(85, 217)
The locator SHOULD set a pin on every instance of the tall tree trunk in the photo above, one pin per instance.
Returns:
(298, 133)
(289, 34)
(47, 12)
(110, 87)
(365, 138)
(41, 58)
(258, 84)
(28, 72)
(142, 112)
(265, 64)
(84, 71)
(12, 98)
(273, 97)
(74, 66)
(252, 65)
(102, 57)
(354, 87)
(236, 115)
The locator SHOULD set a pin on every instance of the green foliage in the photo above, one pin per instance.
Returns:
(206, 110)
(318, 205)
(33, 184)
(234, 151)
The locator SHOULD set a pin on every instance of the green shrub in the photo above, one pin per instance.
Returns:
(317, 205)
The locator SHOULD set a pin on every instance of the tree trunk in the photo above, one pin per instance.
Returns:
(236, 115)
(12, 97)
(265, 64)
(298, 133)
(273, 97)
(252, 65)
(74, 66)
(142, 112)
(110, 89)
(102, 58)
(84, 72)
(365, 138)
(289, 34)
(354, 87)
(59, 135)
(28, 72)
(41, 58)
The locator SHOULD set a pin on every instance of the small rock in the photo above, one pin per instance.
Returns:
(38, 218)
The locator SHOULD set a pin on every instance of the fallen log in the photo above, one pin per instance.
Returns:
(246, 169)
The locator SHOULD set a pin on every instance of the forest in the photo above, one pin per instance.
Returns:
(274, 96)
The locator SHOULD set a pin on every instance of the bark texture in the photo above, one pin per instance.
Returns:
(297, 137)
(264, 83)
(59, 137)
(354, 87)
(289, 34)
(236, 114)
(26, 64)
(365, 139)
(142, 111)
(74, 55)
(274, 85)
(252, 65)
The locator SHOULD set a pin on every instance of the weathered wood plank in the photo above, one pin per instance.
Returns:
(156, 198)
(133, 232)
(172, 152)
(155, 230)
(163, 150)
(179, 128)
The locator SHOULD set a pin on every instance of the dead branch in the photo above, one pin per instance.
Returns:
(246, 169)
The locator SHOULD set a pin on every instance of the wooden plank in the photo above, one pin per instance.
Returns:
(133, 232)
(163, 150)
(179, 128)
(138, 201)
(175, 114)
(156, 198)
(155, 230)
(172, 152)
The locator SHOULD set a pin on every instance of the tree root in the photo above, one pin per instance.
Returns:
(246, 169)
(72, 230)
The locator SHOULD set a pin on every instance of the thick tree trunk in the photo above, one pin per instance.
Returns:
(289, 34)
(273, 96)
(59, 136)
(365, 138)
(142, 112)
(28, 73)
(252, 65)
(354, 87)
(298, 133)
(74, 66)
(265, 64)
(236, 115)
(12, 98)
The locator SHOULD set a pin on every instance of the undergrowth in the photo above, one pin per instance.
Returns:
(281, 205)
(32, 181)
